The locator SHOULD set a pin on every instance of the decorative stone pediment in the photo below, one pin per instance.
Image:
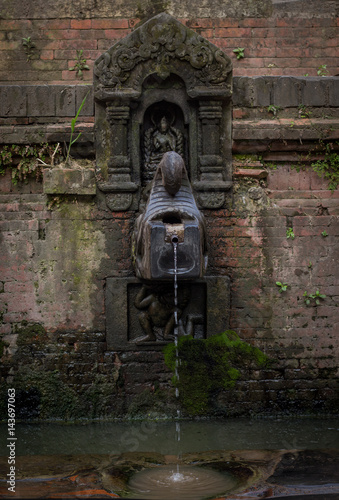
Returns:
(163, 46)
(162, 88)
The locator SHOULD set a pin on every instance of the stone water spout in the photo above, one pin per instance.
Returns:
(171, 215)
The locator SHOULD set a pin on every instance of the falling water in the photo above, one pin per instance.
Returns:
(177, 476)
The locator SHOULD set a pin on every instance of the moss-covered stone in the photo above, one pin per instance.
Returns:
(207, 366)
(31, 333)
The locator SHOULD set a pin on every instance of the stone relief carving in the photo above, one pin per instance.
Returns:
(162, 41)
(158, 140)
(136, 126)
(157, 311)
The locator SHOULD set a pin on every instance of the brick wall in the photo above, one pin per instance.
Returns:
(58, 250)
(283, 42)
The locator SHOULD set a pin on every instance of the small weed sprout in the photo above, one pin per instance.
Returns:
(328, 166)
(239, 51)
(290, 233)
(73, 122)
(303, 111)
(324, 234)
(273, 109)
(282, 286)
(29, 47)
(309, 297)
(80, 65)
(322, 70)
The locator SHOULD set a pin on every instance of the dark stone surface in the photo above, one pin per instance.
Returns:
(311, 467)
(40, 101)
(263, 89)
(314, 91)
(80, 181)
(286, 92)
(13, 101)
(334, 92)
(209, 299)
(65, 101)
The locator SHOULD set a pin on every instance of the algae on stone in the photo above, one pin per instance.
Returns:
(207, 366)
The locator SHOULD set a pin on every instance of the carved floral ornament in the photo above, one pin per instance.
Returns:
(163, 41)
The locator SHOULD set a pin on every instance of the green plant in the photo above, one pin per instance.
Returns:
(27, 160)
(328, 166)
(29, 47)
(310, 265)
(208, 366)
(73, 122)
(282, 286)
(324, 234)
(303, 111)
(273, 109)
(322, 70)
(290, 233)
(313, 296)
(239, 51)
(80, 65)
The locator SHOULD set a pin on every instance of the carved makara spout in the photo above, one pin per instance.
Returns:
(171, 214)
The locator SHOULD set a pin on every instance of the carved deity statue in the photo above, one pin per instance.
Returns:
(160, 139)
(157, 310)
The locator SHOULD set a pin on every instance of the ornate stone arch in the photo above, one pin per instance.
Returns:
(164, 47)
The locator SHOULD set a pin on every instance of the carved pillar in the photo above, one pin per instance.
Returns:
(119, 185)
(211, 185)
(119, 162)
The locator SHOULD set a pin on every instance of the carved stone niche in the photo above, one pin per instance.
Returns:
(163, 87)
(142, 315)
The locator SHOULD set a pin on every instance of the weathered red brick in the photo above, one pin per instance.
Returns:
(81, 24)
(51, 24)
(255, 22)
(232, 32)
(46, 55)
(17, 24)
(110, 24)
(69, 44)
(114, 34)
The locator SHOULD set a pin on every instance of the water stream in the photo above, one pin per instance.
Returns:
(177, 475)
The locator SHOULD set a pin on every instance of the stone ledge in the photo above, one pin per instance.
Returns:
(285, 129)
(69, 181)
(45, 100)
(260, 91)
(254, 173)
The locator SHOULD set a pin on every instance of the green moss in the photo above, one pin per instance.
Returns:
(31, 334)
(207, 366)
(246, 158)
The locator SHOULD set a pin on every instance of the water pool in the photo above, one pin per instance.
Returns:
(159, 436)
(249, 459)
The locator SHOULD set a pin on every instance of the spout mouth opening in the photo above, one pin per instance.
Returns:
(174, 239)
(171, 218)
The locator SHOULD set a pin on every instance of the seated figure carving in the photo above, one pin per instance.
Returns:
(156, 304)
(160, 139)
